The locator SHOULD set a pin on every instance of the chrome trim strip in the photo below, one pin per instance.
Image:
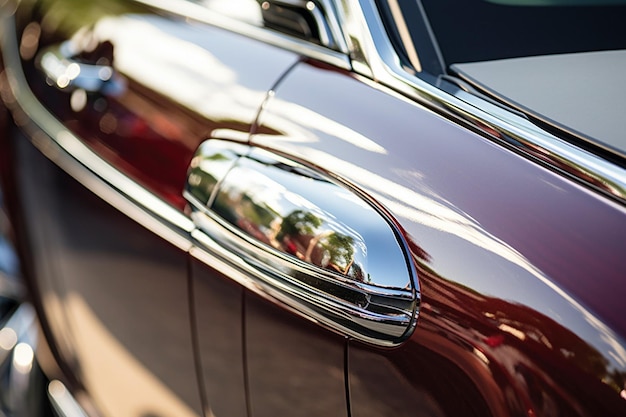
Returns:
(333, 23)
(301, 299)
(405, 35)
(67, 151)
(63, 402)
(202, 14)
(374, 57)
(18, 339)
(18, 328)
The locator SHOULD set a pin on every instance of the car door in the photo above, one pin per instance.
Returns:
(305, 193)
(112, 100)
(499, 330)
(305, 260)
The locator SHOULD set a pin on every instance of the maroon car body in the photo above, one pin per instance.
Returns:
(507, 240)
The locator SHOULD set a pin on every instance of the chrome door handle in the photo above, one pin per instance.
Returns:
(328, 251)
(64, 71)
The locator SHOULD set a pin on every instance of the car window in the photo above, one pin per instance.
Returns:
(482, 30)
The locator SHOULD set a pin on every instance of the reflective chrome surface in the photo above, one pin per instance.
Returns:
(18, 368)
(63, 401)
(213, 160)
(320, 239)
(300, 213)
(65, 72)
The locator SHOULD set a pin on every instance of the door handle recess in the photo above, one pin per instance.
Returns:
(328, 251)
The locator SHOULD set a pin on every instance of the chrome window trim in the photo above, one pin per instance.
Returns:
(333, 23)
(374, 57)
(68, 152)
(202, 14)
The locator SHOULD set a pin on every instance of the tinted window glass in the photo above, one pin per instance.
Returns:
(479, 30)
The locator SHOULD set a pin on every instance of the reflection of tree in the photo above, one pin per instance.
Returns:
(298, 223)
(300, 236)
(356, 273)
(217, 156)
(259, 214)
(299, 233)
(340, 249)
(240, 209)
(70, 15)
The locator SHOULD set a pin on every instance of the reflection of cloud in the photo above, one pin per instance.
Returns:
(244, 10)
(181, 70)
(264, 191)
(307, 121)
(617, 353)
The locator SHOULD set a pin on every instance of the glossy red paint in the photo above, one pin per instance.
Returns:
(519, 268)
(218, 317)
(295, 367)
(151, 120)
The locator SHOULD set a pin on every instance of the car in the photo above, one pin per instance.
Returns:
(312, 207)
